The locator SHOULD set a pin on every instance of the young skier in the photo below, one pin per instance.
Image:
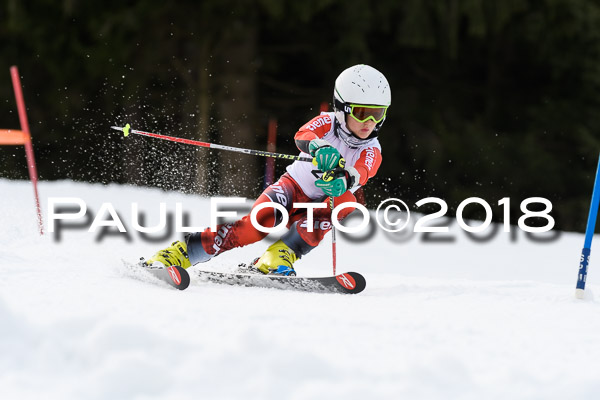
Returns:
(344, 148)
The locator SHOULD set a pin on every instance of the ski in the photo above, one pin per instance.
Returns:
(346, 283)
(179, 278)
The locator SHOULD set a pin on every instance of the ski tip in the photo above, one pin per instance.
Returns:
(179, 277)
(116, 128)
(352, 282)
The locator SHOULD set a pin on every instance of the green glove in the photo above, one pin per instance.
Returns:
(333, 183)
(326, 157)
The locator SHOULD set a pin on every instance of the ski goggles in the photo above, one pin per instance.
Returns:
(363, 113)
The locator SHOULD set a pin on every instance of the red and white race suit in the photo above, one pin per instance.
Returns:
(297, 186)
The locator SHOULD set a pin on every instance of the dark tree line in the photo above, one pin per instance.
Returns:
(491, 98)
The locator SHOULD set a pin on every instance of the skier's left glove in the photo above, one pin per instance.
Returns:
(326, 157)
(335, 182)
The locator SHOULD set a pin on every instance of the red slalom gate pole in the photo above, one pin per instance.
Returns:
(271, 147)
(16, 82)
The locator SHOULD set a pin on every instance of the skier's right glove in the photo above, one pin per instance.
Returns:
(334, 183)
(326, 157)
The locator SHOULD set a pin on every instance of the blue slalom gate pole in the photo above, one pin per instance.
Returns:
(589, 235)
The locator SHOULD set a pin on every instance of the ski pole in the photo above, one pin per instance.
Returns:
(333, 240)
(127, 130)
(327, 177)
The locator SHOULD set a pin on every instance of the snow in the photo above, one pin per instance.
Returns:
(458, 320)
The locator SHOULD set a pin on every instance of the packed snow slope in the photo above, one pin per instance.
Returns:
(452, 319)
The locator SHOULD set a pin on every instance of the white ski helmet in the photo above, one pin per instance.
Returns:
(360, 85)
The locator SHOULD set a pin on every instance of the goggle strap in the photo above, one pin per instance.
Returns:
(339, 105)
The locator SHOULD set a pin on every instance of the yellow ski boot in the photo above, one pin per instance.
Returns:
(278, 260)
(176, 254)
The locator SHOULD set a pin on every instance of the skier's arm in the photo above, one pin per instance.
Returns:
(367, 164)
(316, 128)
(303, 139)
(309, 139)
